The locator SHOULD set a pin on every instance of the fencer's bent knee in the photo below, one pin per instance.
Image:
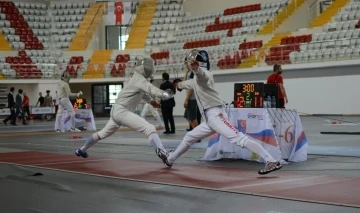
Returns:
(240, 140)
(149, 129)
(189, 139)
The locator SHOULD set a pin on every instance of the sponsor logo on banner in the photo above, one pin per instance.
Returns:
(5, 111)
(253, 116)
(41, 110)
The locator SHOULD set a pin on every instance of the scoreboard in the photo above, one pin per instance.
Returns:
(252, 95)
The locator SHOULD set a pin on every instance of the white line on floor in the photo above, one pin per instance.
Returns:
(273, 182)
(76, 161)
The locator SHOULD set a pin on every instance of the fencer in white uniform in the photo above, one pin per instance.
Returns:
(148, 107)
(122, 112)
(64, 93)
(216, 119)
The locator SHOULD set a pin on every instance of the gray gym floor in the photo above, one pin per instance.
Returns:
(27, 189)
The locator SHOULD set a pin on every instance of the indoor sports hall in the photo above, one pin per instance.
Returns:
(286, 72)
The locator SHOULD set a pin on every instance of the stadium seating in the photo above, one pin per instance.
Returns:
(338, 41)
(221, 33)
(66, 19)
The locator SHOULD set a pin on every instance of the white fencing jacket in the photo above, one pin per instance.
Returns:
(204, 90)
(64, 90)
(137, 89)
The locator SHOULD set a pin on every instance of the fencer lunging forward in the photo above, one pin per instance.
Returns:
(216, 119)
(64, 93)
(122, 112)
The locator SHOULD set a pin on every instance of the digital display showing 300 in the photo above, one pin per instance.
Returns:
(248, 95)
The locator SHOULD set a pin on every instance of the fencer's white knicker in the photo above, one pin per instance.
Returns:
(216, 121)
(65, 104)
(119, 116)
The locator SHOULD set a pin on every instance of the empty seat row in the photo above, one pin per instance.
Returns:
(212, 15)
(160, 55)
(204, 43)
(67, 25)
(36, 12)
(352, 7)
(164, 27)
(337, 26)
(201, 23)
(348, 16)
(25, 38)
(31, 5)
(66, 38)
(324, 55)
(161, 34)
(24, 24)
(202, 36)
(296, 39)
(68, 18)
(232, 40)
(162, 7)
(257, 14)
(223, 26)
(336, 35)
(18, 17)
(69, 5)
(242, 9)
(25, 31)
(168, 20)
(341, 43)
(40, 53)
(68, 12)
(170, 13)
(250, 45)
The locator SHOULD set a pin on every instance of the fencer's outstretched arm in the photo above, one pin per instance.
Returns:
(150, 89)
(65, 92)
(147, 98)
(188, 84)
(202, 75)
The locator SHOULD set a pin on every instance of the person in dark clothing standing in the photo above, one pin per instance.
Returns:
(11, 106)
(167, 106)
(19, 106)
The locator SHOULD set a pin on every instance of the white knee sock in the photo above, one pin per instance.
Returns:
(58, 120)
(93, 139)
(72, 119)
(259, 150)
(155, 141)
(158, 119)
(181, 149)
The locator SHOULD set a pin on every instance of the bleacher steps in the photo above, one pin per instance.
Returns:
(97, 64)
(328, 14)
(140, 28)
(283, 15)
(4, 44)
(87, 27)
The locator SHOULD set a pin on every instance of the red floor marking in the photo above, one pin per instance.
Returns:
(316, 188)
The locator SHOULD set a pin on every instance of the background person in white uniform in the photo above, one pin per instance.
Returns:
(65, 103)
(148, 107)
(122, 112)
(216, 119)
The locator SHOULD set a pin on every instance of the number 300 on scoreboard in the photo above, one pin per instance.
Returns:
(248, 95)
